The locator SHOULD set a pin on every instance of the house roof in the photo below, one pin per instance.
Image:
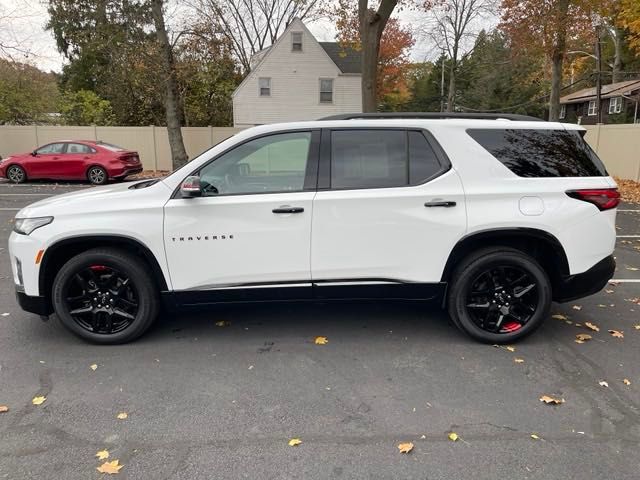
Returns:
(347, 59)
(608, 91)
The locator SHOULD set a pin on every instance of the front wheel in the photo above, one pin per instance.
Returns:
(97, 175)
(499, 295)
(105, 296)
(16, 174)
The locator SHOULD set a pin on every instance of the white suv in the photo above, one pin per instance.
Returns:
(494, 216)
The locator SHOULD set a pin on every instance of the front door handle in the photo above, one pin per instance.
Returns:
(440, 203)
(286, 209)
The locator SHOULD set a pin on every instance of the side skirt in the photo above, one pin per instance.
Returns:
(325, 290)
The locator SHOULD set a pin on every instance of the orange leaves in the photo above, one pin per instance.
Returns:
(294, 442)
(592, 326)
(39, 400)
(616, 333)
(110, 467)
(321, 341)
(405, 447)
(551, 400)
(122, 416)
(102, 454)
(453, 436)
(582, 337)
(4, 409)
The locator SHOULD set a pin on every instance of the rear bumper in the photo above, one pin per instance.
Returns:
(587, 283)
(126, 171)
(33, 304)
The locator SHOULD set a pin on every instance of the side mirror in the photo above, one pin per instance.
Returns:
(34, 153)
(190, 187)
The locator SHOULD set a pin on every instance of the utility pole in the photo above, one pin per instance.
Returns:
(598, 76)
(442, 84)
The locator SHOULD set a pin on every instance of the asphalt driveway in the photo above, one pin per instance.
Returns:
(222, 402)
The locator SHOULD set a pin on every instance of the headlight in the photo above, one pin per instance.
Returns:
(25, 226)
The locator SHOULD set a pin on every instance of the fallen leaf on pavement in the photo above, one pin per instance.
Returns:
(518, 360)
(223, 323)
(626, 381)
(535, 437)
(93, 367)
(110, 467)
(608, 290)
(510, 348)
(321, 341)
(4, 408)
(102, 454)
(557, 316)
(583, 337)
(637, 327)
(616, 333)
(405, 447)
(601, 305)
(551, 400)
(603, 383)
(577, 307)
(122, 415)
(453, 436)
(592, 326)
(633, 269)
(294, 442)
(38, 400)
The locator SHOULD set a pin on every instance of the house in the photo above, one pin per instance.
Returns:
(298, 78)
(619, 104)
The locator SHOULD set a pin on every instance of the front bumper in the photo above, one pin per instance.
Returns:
(33, 304)
(587, 283)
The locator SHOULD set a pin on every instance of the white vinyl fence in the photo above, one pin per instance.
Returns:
(617, 145)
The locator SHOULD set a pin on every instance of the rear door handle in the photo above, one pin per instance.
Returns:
(440, 203)
(285, 209)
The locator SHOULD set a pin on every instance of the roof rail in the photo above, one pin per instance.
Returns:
(433, 115)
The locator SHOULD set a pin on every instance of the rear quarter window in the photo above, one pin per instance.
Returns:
(541, 153)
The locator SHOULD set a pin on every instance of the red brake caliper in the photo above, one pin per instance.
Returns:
(511, 327)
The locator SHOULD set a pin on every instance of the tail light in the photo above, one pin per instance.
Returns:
(603, 198)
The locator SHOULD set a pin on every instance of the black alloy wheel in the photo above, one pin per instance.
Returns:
(499, 295)
(106, 295)
(102, 299)
(502, 299)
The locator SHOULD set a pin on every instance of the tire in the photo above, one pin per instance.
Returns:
(16, 174)
(105, 311)
(97, 175)
(488, 313)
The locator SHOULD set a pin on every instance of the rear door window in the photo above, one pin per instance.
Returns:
(541, 153)
(381, 158)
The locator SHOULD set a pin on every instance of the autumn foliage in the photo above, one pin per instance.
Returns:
(393, 59)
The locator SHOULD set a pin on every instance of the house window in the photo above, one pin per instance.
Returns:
(264, 86)
(563, 111)
(592, 108)
(326, 90)
(615, 105)
(296, 41)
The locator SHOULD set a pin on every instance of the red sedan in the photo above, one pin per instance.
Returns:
(95, 161)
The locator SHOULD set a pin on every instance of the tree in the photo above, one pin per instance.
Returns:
(550, 26)
(84, 107)
(630, 19)
(393, 57)
(27, 94)
(453, 24)
(172, 101)
(251, 26)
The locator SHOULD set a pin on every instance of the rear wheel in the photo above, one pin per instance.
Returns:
(16, 174)
(97, 175)
(499, 295)
(105, 296)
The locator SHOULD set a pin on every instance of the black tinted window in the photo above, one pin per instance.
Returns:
(541, 153)
(423, 162)
(369, 158)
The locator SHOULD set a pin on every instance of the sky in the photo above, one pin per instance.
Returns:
(22, 23)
